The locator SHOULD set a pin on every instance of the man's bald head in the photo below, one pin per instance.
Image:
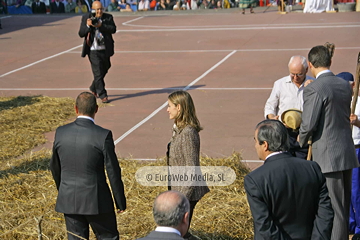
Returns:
(97, 6)
(298, 68)
(169, 208)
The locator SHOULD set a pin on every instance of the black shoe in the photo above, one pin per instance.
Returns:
(105, 100)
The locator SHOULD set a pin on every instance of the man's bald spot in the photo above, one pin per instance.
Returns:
(168, 201)
(298, 60)
(96, 5)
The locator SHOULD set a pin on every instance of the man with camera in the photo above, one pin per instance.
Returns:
(97, 28)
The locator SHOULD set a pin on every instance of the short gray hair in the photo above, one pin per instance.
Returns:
(303, 60)
(169, 208)
(274, 133)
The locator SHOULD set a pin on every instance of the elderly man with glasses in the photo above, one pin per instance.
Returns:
(286, 94)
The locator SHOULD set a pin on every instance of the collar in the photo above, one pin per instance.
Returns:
(322, 72)
(167, 229)
(273, 154)
(87, 117)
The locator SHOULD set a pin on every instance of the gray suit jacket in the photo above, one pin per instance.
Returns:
(161, 235)
(80, 152)
(326, 118)
(289, 199)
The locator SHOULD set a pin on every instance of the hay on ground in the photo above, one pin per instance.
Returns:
(29, 192)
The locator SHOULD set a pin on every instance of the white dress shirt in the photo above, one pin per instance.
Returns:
(167, 229)
(87, 117)
(356, 130)
(285, 95)
(322, 72)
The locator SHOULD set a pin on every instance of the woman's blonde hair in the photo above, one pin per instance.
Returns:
(187, 113)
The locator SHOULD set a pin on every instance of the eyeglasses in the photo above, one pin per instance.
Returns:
(297, 75)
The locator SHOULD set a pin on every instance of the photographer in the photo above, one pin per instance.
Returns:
(97, 28)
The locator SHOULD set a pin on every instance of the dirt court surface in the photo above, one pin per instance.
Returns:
(227, 61)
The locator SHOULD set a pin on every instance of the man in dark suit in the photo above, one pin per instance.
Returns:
(326, 117)
(57, 7)
(38, 7)
(171, 214)
(288, 196)
(80, 152)
(99, 46)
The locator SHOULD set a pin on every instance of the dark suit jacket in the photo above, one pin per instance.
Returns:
(80, 152)
(161, 235)
(289, 199)
(107, 28)
(325, 117)
(38, 9)
(55, 9)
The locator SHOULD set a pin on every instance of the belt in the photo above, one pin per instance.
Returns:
(357, 146)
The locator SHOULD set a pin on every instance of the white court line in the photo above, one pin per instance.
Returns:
(128, 89)
(5, 17)
(233, 26)
(239, 28)
(227, 50)
(126, 23)
(165, 104)
(42, 60)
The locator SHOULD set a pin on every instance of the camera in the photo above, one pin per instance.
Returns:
(94, 20)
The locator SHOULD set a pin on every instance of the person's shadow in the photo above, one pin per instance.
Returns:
(19, 102)
(148, 92)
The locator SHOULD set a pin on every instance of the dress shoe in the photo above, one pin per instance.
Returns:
(105, 100)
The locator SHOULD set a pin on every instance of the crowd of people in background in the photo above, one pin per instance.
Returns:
(83, 6)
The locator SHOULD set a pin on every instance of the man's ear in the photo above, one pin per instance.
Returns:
(97, 108)
(310, 65)
(266, 145)
(76, 110)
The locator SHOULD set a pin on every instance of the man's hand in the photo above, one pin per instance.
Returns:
(88, 22)
(354, 120)
(272, 116)
(98, 25)
(307, 82)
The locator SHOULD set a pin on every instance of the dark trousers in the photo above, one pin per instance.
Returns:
(104, 226)
(339, 186)
(100, 65)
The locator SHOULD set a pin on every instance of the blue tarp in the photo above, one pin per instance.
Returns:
(19, 10)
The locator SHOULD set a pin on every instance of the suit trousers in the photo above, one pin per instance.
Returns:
(100, 65)
(103, 225)
(339, 186)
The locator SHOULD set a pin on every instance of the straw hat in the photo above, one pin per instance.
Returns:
(292, 118)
